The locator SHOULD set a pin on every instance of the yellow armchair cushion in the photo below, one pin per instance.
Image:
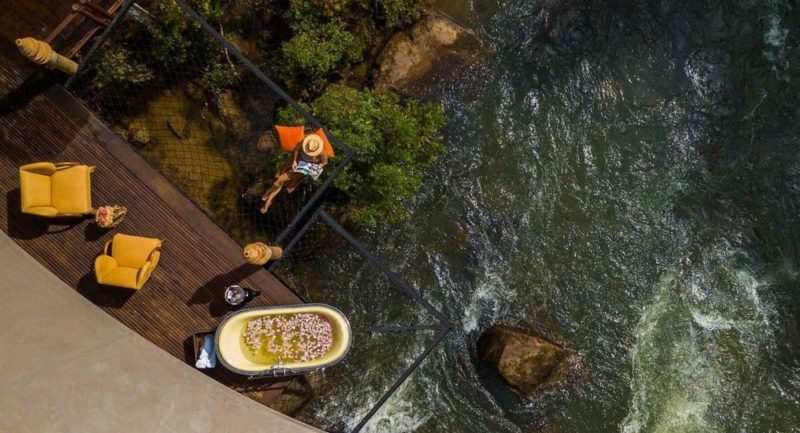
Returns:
(34, 189)
(103, 265)
(71, 190)
(44, 168)
(123, 277)
(45, 211)
(133, 251)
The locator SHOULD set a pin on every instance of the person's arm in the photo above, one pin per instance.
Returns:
(296, 156)
(323, 159)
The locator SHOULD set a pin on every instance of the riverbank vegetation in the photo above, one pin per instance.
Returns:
(321, 51)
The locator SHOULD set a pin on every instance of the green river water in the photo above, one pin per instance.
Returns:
(624, 177)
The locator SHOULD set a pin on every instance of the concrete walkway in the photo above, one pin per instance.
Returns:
(66, 366)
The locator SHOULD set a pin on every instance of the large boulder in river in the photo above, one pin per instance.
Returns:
(526, 361)
(434, 42)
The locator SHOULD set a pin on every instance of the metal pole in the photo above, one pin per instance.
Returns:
(295, 239)
(393, 278)
(439, 337)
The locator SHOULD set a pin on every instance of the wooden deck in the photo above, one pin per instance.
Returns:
(40, 121)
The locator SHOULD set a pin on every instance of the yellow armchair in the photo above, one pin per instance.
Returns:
(56, 189)
(129, 262)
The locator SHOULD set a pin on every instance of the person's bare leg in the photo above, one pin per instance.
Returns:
(273, 191)
(268, 197)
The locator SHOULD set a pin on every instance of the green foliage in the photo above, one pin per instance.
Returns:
(400, 12)
(313, 10)
(316, 51)
(395, 138)
(176, 39)
(212, 10)
(169, 44)
(116, 67)
(288, 116)
(218, 76)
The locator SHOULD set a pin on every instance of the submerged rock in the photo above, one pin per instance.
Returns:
(525, 360)
(232, 114)
(412, 54)
(195, 91)
(177, 124)
(138, 133)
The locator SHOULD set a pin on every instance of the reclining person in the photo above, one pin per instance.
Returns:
(308, 159)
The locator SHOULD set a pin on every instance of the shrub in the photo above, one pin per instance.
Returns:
(176, 39)
(169, 46)
(400, 12)
(116, 67)
(395, 138)
(218, 76)
(305, 9)
(316, 51)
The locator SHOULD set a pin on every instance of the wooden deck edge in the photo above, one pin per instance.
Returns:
(163, 188)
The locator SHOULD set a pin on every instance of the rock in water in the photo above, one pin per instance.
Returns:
(526, 361)
(177, 124)
(233, 115)
(411, 54)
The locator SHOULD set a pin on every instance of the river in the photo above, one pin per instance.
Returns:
(623, 178)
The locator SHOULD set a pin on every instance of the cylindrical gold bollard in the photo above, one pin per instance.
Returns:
(40, 52)
(259, 253)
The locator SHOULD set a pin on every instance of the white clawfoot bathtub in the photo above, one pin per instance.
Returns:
(232, 350)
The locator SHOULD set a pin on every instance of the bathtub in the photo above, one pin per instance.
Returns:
(232, 350)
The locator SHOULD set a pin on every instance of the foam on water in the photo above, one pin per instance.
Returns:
(711, 322)
(679, 370)
(671, 379)
(485, 302)
(775, 35)
(775, 43)
(399, 414)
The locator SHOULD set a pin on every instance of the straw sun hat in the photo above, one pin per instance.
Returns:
(312, 145)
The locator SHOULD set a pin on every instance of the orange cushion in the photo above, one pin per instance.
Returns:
(325, 143)
(289, 136)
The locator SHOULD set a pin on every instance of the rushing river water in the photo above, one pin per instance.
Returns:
(624, 178)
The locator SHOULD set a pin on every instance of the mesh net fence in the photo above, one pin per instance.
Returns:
(187, 92)
(194, 106)
(392, 328)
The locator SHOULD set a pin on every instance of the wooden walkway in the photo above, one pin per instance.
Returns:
(40, 121)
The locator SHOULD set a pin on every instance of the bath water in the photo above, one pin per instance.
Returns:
(286, 338)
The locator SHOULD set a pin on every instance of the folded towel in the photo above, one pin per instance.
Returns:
(208, 354)
(208, 343)
(203, 361)
(309, 169)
